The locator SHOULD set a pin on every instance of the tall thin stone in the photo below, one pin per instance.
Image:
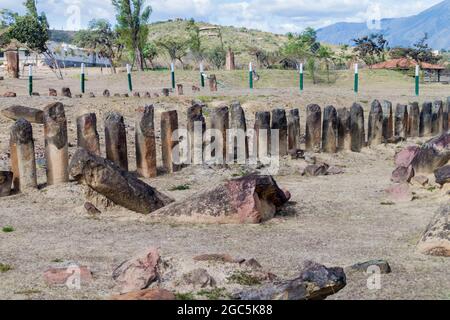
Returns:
(447, 115)
(146, 142)
(344, 130)
(220, 120)
(262, 140)
(169, 141)
(87, 134)
(238, 122)
(425, 119)
(401, 121)
(313, 128)
(195, 119)
(279, 122)
(375, 130)
(212, 83)
(23, 162)
(388, 120)
(116, 140)
(56, 144)
(357, 127)
(437, 117)
(330, 130)
(293, 129)
(414, 119)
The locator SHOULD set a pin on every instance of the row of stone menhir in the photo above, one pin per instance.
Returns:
(344, 129)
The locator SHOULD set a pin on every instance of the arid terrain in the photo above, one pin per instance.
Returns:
(335, 220)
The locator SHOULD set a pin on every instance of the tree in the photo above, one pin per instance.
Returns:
(132, 18)
(217, 57)
(150, 52)
(421, 52)
(176, 47)
(371, 49)
(265, 59)
(195, 42)
(325, 54)
(100, 39)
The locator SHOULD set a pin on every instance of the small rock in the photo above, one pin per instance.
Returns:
(315, 170)
(400, 192)
(91, 95)
(156, 95)
(147, 94)
(333, 170)
(136, 94)
(2, 78)
(165, 92)
(402, 174)
(117, 95)
(198, 278)
(78, 96)
(224, 258)
(10, 94)
(64, 275)
(106, 93)
(139, 272)
(91, 209)
(6, 179)
(65, 92)
(125, 95)
(405, 157)
(35, 94)
(383, 265)
(420, 180)
(252, 263)
(52, 93)
(309, 158)
(442, 175)
(148, 295)
(296, 154)
(436, 238)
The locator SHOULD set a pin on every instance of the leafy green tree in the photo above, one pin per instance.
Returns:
(100, 39)
(150, 52)
(176, 47)
(371, 49)
(421, 52)
(217, 57)
(132, 18)
(195, 42)
(326, 55)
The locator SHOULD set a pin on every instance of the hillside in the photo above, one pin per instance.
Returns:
(400, 31)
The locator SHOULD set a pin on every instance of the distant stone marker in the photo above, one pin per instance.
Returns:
(65, 92)
(212, 83)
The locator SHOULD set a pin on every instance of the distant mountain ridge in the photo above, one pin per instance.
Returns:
(434, 21)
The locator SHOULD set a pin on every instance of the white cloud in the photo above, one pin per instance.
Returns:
(271, 15)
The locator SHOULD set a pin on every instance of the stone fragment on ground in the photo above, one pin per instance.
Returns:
(68, 274)
(402, 174)
(435, 240)
(420, 181)
(442, 175)
(30, 114)
(381, 265)
(316, 170)
(198, 278)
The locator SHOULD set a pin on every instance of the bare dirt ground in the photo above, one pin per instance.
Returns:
(334, 220)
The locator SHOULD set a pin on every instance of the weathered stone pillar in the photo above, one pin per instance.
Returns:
(195, 119)
(414, 119)
(344, 130)
(294, 129)
(165, 92)
(180, 89)
(146, 142)
(212, 83)
(87, 134)
(388, 120)
(437, 117)
(6, 178)
(262, 141)
(116, 140)
(56, 144)
(401, 121)
(12, 63)
(220, 120)
(330, 130)
(23, 162)
(447, 115)
(279, 122)
(358, 131)
(313, 128)
(375, 134)
(169, 142)
(230, 65)
(425, 119)
(239, 123)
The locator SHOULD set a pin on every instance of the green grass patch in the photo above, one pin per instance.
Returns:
(5, 268)
(181, 187)
(214, 294)
(432, 189)
(8, 229)
(57, 260)
(244, 278)
(387, 203)
(184, 296)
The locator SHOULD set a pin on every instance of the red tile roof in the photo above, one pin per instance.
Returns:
(404, 63)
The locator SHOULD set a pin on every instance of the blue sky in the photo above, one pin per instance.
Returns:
(279, 16)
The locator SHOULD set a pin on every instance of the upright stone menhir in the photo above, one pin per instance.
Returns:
(425, 119)
(330, 130)
(447, 115)
(56, 144)
(401, 121)
(388, 120)
(344, 130)
(169, 141)
(437, 117)
(87, 134)
(23, 162)
(239, 124)
(414, 120)
(220, 120)
(146, 142)
(262, 135)
(293, 129)
(375, 134)
(196, 127)
(357, 127)
(212, 83)
(279, 122)
(116, 140)
(313, 128)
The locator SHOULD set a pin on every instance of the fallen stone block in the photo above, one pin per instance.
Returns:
(251, 199)
(442, 175)
(139, 272)
(315, 282)
(198, 278)
(405, 157)
(316, 170)
(402, 174)
(30, 114)
(382, 265)
(436, 238)
(433, 154)
(52, 93)
(9, 94)
(145, 295)
(68, 274)
(116, 184)
(420, 181)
